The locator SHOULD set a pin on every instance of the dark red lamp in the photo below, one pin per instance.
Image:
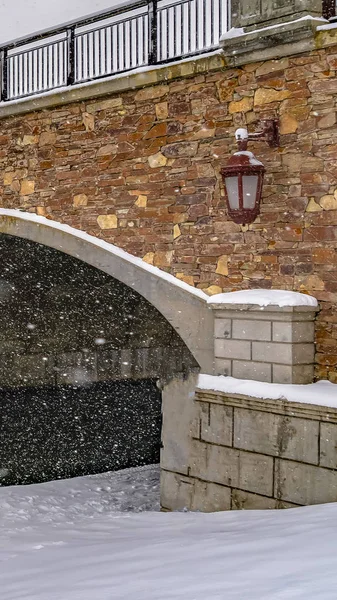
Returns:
(243, 176)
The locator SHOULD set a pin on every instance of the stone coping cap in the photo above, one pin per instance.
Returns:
(322, 393)
(301, 410)
(260, 299)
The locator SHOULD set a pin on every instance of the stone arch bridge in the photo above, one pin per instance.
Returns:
(90, 338)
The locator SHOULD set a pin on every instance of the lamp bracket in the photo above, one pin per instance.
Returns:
(269, 133)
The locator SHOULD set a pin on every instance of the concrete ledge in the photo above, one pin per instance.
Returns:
(279, 407)
(115, 84)
(285, 39)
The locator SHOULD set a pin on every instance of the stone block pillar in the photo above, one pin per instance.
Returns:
(255, 14)
(270, 29)
(270, 344)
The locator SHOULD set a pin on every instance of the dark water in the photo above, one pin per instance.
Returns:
(58, 432)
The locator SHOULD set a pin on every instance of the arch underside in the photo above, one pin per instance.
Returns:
(80, 357)
(181, 305)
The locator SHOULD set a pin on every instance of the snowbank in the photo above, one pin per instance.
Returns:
(322, 393)
(279, 298)
(245, 555)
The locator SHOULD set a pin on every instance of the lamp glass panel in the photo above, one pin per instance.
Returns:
(249, 189)
(232, 187)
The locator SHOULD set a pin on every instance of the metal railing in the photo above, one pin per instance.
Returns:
(134, 35)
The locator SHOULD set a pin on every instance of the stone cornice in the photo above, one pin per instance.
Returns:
(280, 407)
(267, 43)
(115, 84)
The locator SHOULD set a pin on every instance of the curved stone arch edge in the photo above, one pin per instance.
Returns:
(183, 306)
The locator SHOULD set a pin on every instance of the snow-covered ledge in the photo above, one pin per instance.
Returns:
(265, 335)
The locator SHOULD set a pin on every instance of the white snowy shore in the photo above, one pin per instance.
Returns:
(67, 541)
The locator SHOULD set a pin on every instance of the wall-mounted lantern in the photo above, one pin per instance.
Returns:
(243, 176)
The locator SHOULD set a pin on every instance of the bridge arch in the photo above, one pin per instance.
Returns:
(183, 306)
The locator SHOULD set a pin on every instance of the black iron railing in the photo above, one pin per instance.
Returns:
(137, 34)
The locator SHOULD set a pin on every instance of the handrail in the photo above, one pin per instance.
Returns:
(131, 35)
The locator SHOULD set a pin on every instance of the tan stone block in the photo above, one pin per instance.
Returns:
(243, 105)
(162, 111)
(327, 121)
(213, 289)
(157, 160)
(179, 217)
(309, 283)
(148, 258)
(176, 232)
(80, 200)
(107, 150)
(29, 140)
(203, 133)
(104, 105)
(186, 278)
(151, 93)
(8, 177)
(268, 95)
(293, 161)
(329, 202)
(163, 259)
(107, 221)
(272, 66)
(47, 138)
(222, 265)
(226, 89)
(313, 206)
(27, 187)
(288, 124)
(15, 186)
(141, 201)
(88, 121)
(41, 211)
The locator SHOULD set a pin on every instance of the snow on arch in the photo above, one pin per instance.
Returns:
(184, 306)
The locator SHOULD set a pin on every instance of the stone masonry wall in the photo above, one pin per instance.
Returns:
(141, 170)
(256, 454)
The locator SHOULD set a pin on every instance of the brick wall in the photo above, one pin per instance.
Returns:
(249, 453)
(141, 170)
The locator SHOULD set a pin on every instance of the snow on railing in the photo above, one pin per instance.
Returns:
(132, 35)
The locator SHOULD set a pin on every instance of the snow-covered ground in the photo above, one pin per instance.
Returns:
(69, 540)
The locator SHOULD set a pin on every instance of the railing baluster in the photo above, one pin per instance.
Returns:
(182, 6)
(174, 30)
(153, 31)
(144, 39)
(71, 56)
(167, 33)
(4, 75)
